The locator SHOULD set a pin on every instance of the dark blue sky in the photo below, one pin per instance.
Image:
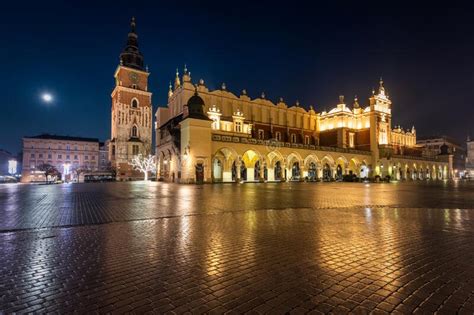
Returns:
(71, 48)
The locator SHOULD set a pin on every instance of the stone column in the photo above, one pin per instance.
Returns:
(261, 171)
(237, 175)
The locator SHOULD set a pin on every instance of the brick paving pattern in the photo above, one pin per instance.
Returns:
(264, 248)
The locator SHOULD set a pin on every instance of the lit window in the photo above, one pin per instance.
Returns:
(351, 140)
(293, 138)
(278, 136)
(238, 126)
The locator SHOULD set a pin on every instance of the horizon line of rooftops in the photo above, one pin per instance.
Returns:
(186, 77)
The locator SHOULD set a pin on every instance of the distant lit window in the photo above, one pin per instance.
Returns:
(238, 126)
(278, 136)
(293, 138)
(351, 140)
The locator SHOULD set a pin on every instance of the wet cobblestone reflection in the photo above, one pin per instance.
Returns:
(296, 248)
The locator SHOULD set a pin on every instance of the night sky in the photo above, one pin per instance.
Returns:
(71, 49)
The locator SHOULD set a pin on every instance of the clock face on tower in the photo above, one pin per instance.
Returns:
(133, 77)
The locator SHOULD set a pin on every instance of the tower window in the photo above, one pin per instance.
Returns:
(135, 149)
(134, 103)
(134, 131)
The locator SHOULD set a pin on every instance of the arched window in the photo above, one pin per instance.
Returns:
(134, 103)
(134, 131)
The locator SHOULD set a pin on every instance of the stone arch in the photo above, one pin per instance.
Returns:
(341, 167)
(294, 164)
(225, 172)
(327, 168)
(311, 167)
(275, 166)
(251, 159)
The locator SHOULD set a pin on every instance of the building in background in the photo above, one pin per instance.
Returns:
(6, 164)
(216, 136)
(69, 156)
(131, 116)
(431, 147)
(104, 164)
(470, 159)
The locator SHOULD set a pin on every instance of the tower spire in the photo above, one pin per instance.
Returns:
(131, 56)
(177, 82)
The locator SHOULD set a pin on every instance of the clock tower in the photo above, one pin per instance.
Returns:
(131, 110)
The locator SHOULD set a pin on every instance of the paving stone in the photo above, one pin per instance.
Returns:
(256, 249)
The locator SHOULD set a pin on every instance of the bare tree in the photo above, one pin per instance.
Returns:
(50, 172)
(144, 164)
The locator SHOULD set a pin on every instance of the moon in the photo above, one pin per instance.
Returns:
(47, 97)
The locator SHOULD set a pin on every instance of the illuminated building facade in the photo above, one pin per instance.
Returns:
(217, 136)
(470, 159)
(68, 155)
(131, 118)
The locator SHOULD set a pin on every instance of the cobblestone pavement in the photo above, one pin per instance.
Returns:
(263, 248)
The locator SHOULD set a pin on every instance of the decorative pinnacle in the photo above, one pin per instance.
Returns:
(341, 99)
(244, 92)
(223, 86)
(132, 25)
(281, 99)
(297, 103)
(185, 69)
(263, 95)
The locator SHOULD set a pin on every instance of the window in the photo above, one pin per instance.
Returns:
(32, 155)
(134, 86)
(68, 147)
(278, 136)
(93, 157)
(113, 150)
(67, 157)
(306, 139)
(59, 147)
(134, 103)
(41, 155)
(60, 156)
(50, 156)
(238, 126)
(135, 150)
(75, 157)
(134, 132)
(261, 134)
(351, 140)
(86, 157)
(293, 138)
(75, 147)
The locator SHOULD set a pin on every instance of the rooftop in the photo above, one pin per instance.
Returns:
(47, 136)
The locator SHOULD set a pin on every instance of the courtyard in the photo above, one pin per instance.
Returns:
(258, 248)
